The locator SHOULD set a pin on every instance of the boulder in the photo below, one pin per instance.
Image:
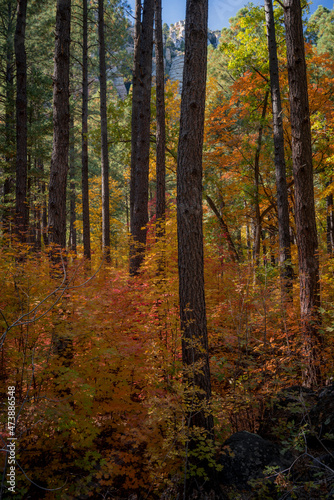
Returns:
(244, 456)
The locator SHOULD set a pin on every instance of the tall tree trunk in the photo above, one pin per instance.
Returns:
(61, 126)
(161, 127)
(189, 222)
(84, 137)
(135, 103)
(104, 138)
(9, 169)
(21, 209)
(282, 190)
(306, 228)
(257, 219)
(73, 231)
(140, 168)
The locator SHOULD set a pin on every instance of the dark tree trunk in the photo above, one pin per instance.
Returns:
(73, 231)
(141, 143)
(306, 228)
(161, 127)
(257, 219)
(189, 218)
(135, 103)
(84, 137)
(282, 190)
(21, 208)
(104, 138)
(9, 168)
(61, 126)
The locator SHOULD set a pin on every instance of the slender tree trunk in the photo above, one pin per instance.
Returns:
(84, 137)
(189, 220)
(306, 228)
(231, 247)
(140, 169)
(21, 209)
(104, 138)
(257, 220)
(282, 190)
(330, 224)
(73, 231)
(61, 126)
(161, 127)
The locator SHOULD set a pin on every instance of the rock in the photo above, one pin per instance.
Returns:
(322, 416)
(245, 456)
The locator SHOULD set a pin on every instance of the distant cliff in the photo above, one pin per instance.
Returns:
(174, 36)
(173, 39)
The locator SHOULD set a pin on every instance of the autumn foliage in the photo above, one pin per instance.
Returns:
(95, 355)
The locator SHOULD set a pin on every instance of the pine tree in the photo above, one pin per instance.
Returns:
(306, 228)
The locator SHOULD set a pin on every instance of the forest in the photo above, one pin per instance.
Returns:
(166, 252)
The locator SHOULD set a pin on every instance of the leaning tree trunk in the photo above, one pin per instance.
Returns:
(195, 356)
(104, 138)
(61, 127)
(141, 143)
(84, 136)
(282, 190)
(306, 228)
(21, 206)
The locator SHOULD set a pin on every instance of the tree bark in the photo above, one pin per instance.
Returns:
(21, 208)
(258, 220)
(84, 137)
(141, 156)
(104, 137)
(61, 126)
(135, 105)
(306, 229)
(330, 224)
(73, 232)
(280, 168)
(161, 127)
(9, 169)
(189, 218)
